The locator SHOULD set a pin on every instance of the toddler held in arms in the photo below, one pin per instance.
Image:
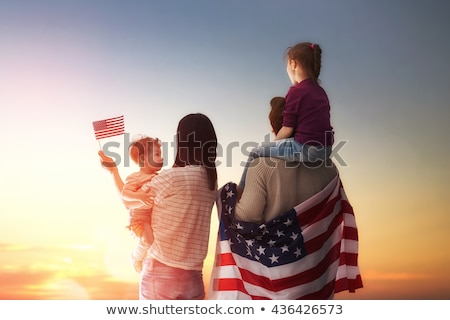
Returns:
(146, 153)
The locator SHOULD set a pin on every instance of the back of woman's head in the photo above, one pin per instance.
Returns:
(197, 144)
(309, 56)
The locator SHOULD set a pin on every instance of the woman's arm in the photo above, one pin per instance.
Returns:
(284, 133)
(132, 195)
(133, 188)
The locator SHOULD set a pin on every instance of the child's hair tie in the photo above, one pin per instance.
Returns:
(312, 46)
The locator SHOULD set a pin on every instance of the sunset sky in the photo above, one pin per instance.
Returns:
(65, 64)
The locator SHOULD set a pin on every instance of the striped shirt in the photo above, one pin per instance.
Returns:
(181, 216)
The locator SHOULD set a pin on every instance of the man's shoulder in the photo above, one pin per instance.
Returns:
(269, 162)
(267, 166)
(275, 164)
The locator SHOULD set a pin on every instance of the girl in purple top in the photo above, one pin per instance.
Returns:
(306, 134)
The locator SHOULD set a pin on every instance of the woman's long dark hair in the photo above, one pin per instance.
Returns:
(197, 145)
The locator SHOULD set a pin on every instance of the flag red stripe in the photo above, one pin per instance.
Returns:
(350, 233)
(232, 284)
(321, 211)
(348, 284)
(310, 215)
(259, 298)
(323, 294)
(315, 272)
(229, 284)
(110, 133)
(346, 206)
(226, 259)
(349, 259)
(316, 243)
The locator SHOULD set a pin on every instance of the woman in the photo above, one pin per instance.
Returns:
(183, 198)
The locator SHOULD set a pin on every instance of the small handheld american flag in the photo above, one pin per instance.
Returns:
(109, 127)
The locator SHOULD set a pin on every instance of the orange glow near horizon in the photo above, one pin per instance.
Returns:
(85, 253)
(60, 273)
(82, 272)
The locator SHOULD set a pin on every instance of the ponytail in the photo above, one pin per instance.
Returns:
(317, 61)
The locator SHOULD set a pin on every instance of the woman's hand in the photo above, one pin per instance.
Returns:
(144, 198)
(107, 162)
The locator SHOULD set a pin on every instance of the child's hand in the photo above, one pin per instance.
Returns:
(107, 162)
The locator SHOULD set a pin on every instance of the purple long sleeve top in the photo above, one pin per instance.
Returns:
(308, 112)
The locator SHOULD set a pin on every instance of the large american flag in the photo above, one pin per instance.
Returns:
(109, 127)
(309, 252)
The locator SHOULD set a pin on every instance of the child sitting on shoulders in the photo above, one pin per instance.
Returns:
(306, 134)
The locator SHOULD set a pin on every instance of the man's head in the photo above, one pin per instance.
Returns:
(277, 105)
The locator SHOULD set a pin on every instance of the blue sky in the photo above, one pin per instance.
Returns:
(64, 64)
